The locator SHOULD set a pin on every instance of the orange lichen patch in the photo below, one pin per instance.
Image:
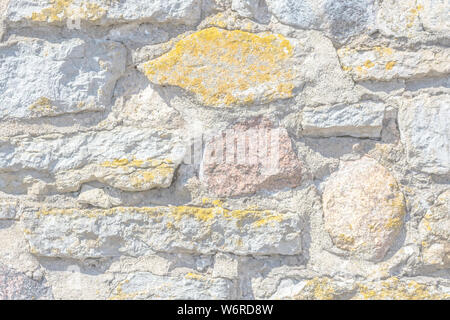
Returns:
(256, 218)
(60, 10)
(227, 67)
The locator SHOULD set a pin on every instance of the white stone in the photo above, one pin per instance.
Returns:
(386, 64)
(126, 158)
(104, 12)
(95, 233)
(39, 78)
(341, 19)
(146, 286)
(256, 9)
(8, 209)
(434, 15)
(225, 266)
(358, 120)
(97, 197)
(434, 230)
(424, 124)
(412, 17)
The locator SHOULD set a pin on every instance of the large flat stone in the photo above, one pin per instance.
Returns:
(103, 12)
(56, 78)
(97, 233)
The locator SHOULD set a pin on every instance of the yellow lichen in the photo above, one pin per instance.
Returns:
(120, 295)
(317, 289)
(42, 105)
(227, 67)
(368, 64)
(389, 65)
(194, 276)
(60, 10)
(258, 218)
(394, 289)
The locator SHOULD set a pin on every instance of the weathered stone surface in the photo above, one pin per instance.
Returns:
(106, 192)
(385, 64)
(412, 17)
(249, 157)
(192, 286)
(434, 15)
(340, 18)
(244, 67)
(256, 9)
(435, 233)
(97, 197)
(124, 158)
(358, 120)
(80, 234)
(425, 132)
(57, 78)
(399, 17)
(401, 289)
(8, 209)
(363, 208)
(17, 286)
(393, 288)
(104, 12)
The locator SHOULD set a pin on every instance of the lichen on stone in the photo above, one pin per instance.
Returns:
(225, 68)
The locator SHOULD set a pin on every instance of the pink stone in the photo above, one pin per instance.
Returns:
(251, 156)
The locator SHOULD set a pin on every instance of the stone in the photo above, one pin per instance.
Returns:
(244, 68)
(396, 18)
(363, 209)
(386, 64)
(250, 157)
(410, 18)
(434, 232)
(17, 286)
(57, 78)
(254, 9)
(225, 266)
(125, 158)
(137, 231)
(434, 15)
(425, 133)
(97, 197)
(341, 19)
(8, 209)
(103, 12)
(394, 288)
(363, 120)
(191, 286)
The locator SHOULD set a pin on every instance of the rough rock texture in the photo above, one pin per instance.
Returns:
(17, 286)
(427, 150)
(268, 160)
(363, 208)
(224, 149)
(435, 232)
(57, 78)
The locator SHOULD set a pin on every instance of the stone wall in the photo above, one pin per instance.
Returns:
(131, 149)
